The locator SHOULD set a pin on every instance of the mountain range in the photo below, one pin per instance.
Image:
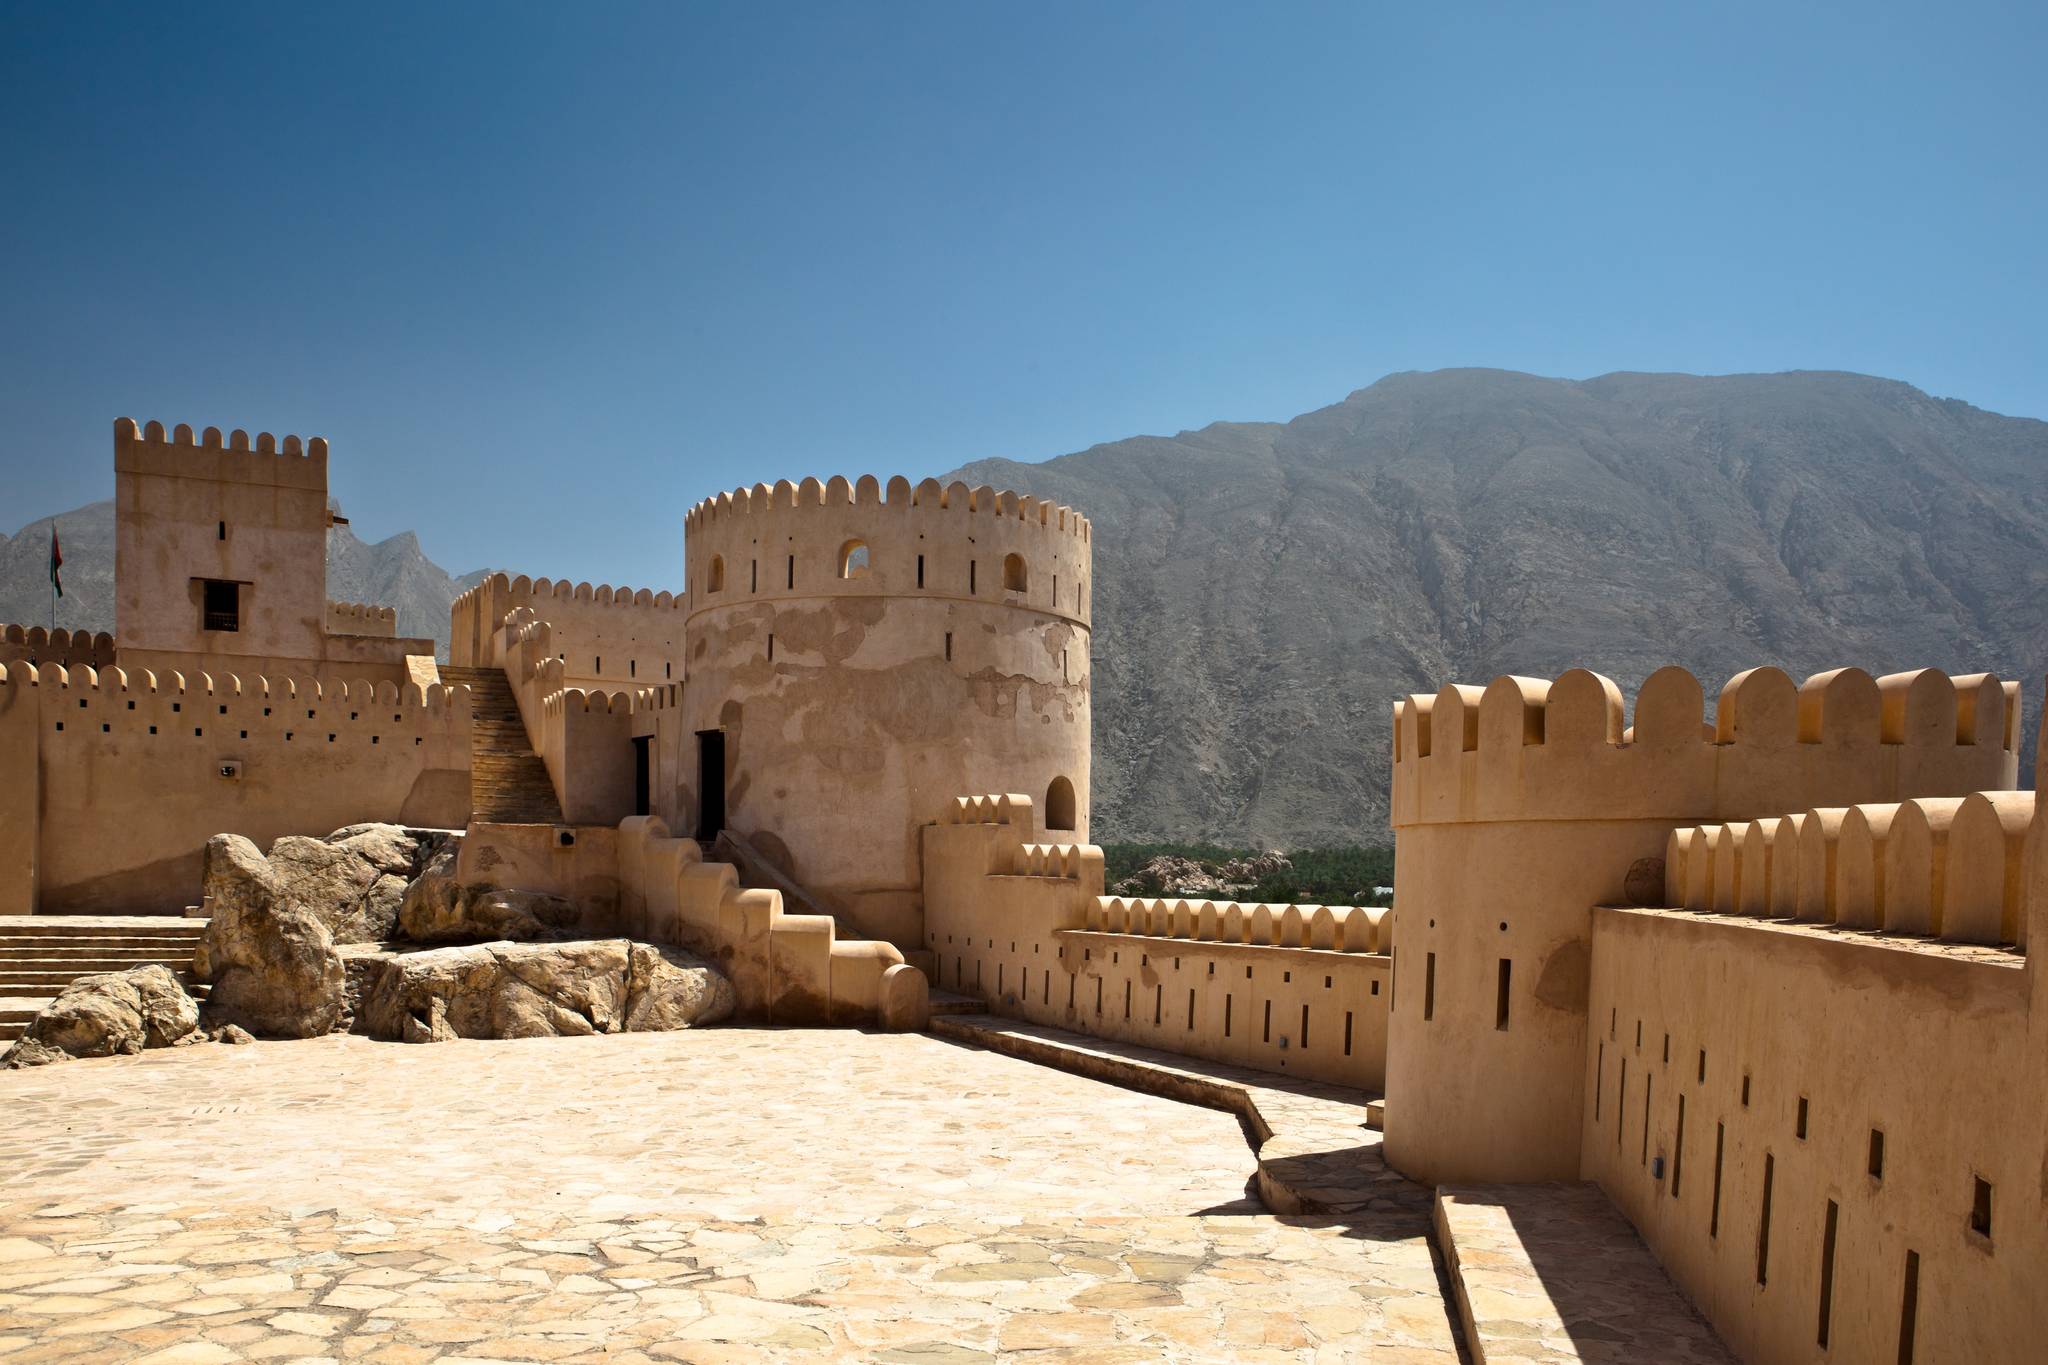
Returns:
(1265, 590)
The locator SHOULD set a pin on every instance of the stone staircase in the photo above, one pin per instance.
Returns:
(42, 954)
(508, 782)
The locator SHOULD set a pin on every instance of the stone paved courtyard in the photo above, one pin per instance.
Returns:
(724, 1195)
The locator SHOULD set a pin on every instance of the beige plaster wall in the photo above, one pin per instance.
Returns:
(361, 618)
(124, 774)
(1742, 1020)
(1519, 806)
(847, 726)
(580, 865)
(1024, 926)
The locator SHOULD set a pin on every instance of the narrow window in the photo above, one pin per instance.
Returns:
(1980, 1208)
(1098, 995)
(792, 573)
(633, 666)
(220, 604)
(949, 646)
(1599, 1078)
(920, 571)
(1827, 1270)
(1304, 1025)
(714, 577)
(1667, 1049)
(1649, 1088)
(1228, 1001)
(1799, 1124)
(1347, 1033)
(1500, 1002)
(1158, 1003)
(1429, 987)
(1909, 1308)
(1763, 1225)
(1268, 1036)
(771, 647)
(1191, 1008)
(1639, 1035)
(1620, 1103)
(1714, 1210)
(220, 531)
(1745, 1090)
(1703, 1066)
(1678, 1149)
(1612, 1015)
(1127, 1000)
(1059, 805)
(753, 575)
(1877, 1154)
(972, 566)
(1016, 578)
(597, 663)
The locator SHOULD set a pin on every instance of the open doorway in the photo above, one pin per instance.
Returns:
(710, 784)
(643, 775)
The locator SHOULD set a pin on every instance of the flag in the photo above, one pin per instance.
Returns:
(56, 562)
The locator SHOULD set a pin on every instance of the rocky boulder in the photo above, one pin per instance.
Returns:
(270, 956)
(439, 909)
(109, 1014)
(540, 990)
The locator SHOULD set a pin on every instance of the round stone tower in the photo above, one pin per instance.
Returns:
(854, 661)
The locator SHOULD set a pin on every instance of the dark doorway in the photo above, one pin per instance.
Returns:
(710, 784)
(643, 777)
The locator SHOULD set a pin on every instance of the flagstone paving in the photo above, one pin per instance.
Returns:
(722, 1195)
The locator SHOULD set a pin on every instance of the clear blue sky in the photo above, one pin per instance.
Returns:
(544, 275)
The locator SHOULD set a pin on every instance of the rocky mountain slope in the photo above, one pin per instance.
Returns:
(1265, 590)
(391, 573)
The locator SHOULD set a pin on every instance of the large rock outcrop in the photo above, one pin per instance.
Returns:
(109, 1014)
(438, 909)
(270, 956)
(541, 990)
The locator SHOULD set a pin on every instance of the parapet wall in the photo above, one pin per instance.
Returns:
(1805, 1126)
(1946, 868)
(793, 540)
(1527, 749)
(1024, 926)
(230, 459)
(66, 648)
(361, 618)
(605, 636)
(118, 777)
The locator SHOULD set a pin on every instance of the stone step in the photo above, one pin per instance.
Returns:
(34, 944)
(35, 975)
(1554, 1273)
(946, 1002)
(96, 952)
(99, 924)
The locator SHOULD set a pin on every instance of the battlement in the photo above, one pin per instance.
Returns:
(71, 648)
(520, 591)
(287, 700)
(361, 618)
(861, 539)
(1946, 868)
(1333, 928)
(866, 491)
(147, 449)
(638, 630)
(1530, 749)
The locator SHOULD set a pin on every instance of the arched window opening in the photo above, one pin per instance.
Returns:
(715, 577)
(1059, 804)
(1016, 578)
(853, 559)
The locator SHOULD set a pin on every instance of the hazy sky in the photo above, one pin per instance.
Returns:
(545, 275)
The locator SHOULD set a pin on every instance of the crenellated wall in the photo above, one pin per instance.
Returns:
(361, 618)
(118, 777)
(65, 648)
(605, 637)
(1519, 806)
(1024, 926)
(785, 969)
(875, 651)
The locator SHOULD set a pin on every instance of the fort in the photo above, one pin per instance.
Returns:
(1745, 990)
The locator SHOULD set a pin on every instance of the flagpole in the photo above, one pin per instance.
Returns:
(53, 580)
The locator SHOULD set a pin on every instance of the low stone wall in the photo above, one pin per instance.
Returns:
(1298, 990)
